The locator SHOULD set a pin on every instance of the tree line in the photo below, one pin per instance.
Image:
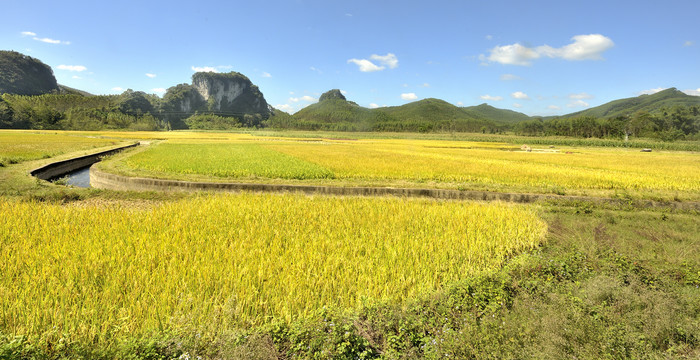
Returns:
(668, 124)
(131, 110)
(136, 110)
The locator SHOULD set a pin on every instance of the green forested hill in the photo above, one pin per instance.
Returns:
(335, 113)
(434, 115)
(668, 98)
(30, 98)
(71, 91)
(25, 75)
(498, 115)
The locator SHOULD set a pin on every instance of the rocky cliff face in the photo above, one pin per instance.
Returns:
(219, 90)
(25, 75)
(231, 94)
(332, 94)
(183, 99)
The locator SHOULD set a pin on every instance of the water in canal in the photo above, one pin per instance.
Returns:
(79, 178)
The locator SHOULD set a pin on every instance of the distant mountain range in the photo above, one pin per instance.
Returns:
(234, 95)
(439, 115)
(644, 103)
(335, 112)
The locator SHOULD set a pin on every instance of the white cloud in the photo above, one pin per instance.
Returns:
(509, 77)
(295, 104)
(343, 92)
(284, 107)
(409, 96)
(580, 96)
(117, 89)
(488, 97)
(577, 103)
(77, 68)
(366, 65)
(315, 69)
(553, 107)
(489, 37)
(45, 39)
(425, 85)
(266, 74)
(204, 69)
(517, 105)
(151, 75)
(373, 106)
(159, 90)
(389, 60)
(692, 92)
(520, 95)
(48, 40)
(651, 91)
(515, 54)
(51, 41)
(583, 47)
(459, 103)
(305, 98)
(688, 43)
(76, 77)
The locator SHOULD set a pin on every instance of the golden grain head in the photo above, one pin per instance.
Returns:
(230, 260)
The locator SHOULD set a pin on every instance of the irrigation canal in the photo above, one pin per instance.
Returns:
(79, 178)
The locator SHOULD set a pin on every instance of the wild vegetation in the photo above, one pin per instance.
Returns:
(95, 274)
(130, 111)
(25, 75)
(668, 124)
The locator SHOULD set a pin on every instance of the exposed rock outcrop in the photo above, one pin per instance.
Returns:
(25, 75)
(182, 99)
(332, 94)
(230, 94)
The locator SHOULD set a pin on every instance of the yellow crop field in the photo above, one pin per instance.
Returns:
(103, 271)
(426, 163)
(500, 164)
(18, 146)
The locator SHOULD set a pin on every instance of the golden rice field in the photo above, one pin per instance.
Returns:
(100, 272)
(421, 163)
(18, 146)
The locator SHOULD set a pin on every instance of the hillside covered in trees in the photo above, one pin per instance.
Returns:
(665, 99)
(25, 75)
(30, 98)
(335, 113)
(668, 115)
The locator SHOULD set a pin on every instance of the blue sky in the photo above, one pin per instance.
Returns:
(536, 57)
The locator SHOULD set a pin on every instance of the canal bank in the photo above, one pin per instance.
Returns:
(77, 165)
